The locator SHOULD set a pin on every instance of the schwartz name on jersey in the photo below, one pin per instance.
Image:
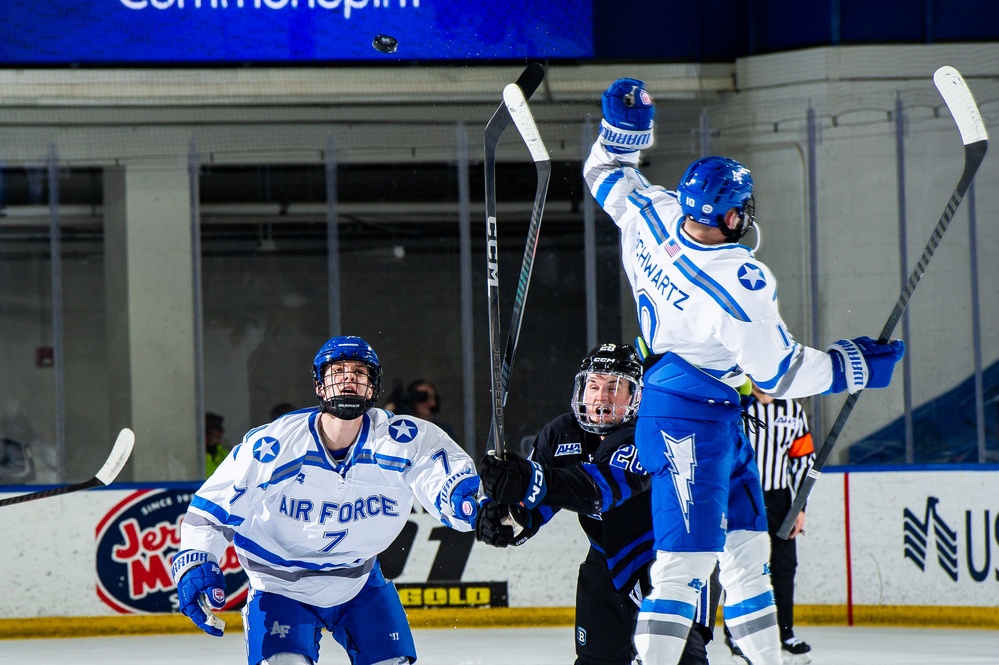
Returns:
(308, 526)
(715, 306)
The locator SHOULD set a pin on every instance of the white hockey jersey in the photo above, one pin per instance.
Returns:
(309, 527)
(713, 305)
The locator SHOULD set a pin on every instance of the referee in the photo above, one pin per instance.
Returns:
(778, 430)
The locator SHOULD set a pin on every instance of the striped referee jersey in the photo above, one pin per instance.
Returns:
(783, 443)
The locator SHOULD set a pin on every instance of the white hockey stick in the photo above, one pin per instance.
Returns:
(116, 460)
(962, 106)
(500, 367)
(516, 104)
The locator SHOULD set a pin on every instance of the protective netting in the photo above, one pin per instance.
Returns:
(847, 188)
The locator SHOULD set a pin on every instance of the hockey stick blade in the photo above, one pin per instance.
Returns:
(962, 106)
(112, 467)
(516, 104)
(528, 82)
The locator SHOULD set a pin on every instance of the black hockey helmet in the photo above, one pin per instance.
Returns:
(339, 349)
(608, 388)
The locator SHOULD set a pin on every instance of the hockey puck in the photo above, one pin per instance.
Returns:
(385, 43)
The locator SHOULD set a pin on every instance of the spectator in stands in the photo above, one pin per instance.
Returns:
(215, 450)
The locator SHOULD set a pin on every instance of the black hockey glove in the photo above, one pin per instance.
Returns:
(501, 526)
(513, 480)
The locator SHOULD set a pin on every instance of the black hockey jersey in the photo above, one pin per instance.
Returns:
(603, 482)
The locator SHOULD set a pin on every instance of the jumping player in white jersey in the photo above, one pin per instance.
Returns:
(710, 325)
(309, 501)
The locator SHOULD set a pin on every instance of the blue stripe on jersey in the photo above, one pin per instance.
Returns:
(770, 384)
(622, 482)
(318, 456)
(391, 463)
(639, 561)
(750, 605)
(258, 551)
(646, 537)
(286, 471)
(216, 511)
(712, 288)
(719, 373)
(606, 186)
(606, 493)
(668, 607)
(546, 514)
(235, 450)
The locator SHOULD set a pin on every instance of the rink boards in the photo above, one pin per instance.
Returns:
(888, 547)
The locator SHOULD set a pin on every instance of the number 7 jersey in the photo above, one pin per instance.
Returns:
(308, 526)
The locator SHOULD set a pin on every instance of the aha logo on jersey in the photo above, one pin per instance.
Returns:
(136, 541)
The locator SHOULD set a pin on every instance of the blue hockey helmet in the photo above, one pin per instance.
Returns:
(338, 349)
(711, 187)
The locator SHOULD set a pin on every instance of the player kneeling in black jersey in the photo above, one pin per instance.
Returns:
(585, 461)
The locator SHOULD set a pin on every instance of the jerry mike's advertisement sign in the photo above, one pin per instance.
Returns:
(138, 537)
(136, 542)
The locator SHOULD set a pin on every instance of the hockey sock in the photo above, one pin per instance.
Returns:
(668, 611)
(750, 612)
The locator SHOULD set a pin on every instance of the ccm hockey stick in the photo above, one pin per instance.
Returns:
(962, 107)
(500, 367)
(116, 460)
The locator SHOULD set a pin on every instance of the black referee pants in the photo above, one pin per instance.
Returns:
(783, 560)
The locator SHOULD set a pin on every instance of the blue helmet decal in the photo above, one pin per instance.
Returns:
(712, 186)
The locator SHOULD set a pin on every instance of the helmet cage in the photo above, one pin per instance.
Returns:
(747, 220)
(340, 349)
(605, 416)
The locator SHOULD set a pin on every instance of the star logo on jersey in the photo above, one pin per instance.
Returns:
(682, 462)
(403, 430)
(265, 449)
(751, 277)
(280, 629)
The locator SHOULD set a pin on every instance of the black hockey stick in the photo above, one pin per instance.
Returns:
(116, 460)
(962, 107)
(500, 367)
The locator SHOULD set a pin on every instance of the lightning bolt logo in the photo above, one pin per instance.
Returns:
(682, 463)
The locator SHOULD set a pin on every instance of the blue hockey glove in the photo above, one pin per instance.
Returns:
(513, 480)
(463, 499)
(501, 526)
(628, 117)
(198, 574)
(863, 363)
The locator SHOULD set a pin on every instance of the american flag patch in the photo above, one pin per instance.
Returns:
(672, 247)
